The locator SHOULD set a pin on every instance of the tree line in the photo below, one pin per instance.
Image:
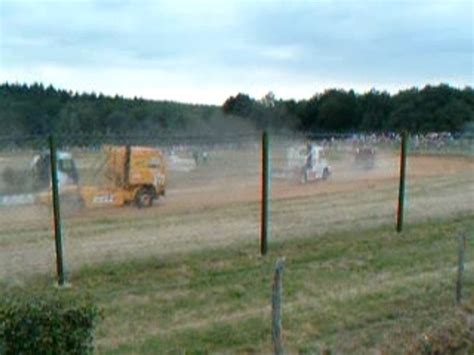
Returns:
(431, 109)
(39, 110)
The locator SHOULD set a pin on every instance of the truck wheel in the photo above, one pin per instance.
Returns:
(144, 198)
(304, 177)
(325, 174)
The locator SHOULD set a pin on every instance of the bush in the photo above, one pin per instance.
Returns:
(453, 336)
(52, 324)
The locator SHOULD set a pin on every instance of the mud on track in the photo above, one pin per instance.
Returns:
(218, 205)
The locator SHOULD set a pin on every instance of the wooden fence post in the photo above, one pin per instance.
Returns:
(58, 238)
(265, 193)
(401, 189)
(276, 306)
(459, 280)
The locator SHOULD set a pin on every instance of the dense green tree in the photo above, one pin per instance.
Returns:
(375, 108)
(434, 108)
(308, 112)
(38, 110)
(240, 105)
(338, 111)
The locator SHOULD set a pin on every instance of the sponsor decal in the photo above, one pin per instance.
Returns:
(103, 199)
(11, 200)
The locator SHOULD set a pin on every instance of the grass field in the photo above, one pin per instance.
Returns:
(373, 291)
(186, 275)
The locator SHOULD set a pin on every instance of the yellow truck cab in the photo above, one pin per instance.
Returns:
(138, 173)
(133, 175)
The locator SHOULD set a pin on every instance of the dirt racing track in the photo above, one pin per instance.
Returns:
(219, 206)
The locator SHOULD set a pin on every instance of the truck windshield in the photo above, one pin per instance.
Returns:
(66, 165)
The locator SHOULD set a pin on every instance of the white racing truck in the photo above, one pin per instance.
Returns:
(307, 163)
(41, 170)
(32, 185)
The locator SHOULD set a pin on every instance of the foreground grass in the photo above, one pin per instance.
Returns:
(351, 293)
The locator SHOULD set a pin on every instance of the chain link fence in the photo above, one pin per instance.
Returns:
(328, 183)
(133, 197)
(26, 219)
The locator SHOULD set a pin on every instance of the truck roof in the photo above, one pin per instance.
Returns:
(60, 154)
(63, 155)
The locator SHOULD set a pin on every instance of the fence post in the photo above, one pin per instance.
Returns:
(265, 193)
(56, 212)
(459, 280)
(276, 306)
(401, 190)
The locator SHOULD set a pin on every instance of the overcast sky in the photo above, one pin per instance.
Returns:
(205, 51)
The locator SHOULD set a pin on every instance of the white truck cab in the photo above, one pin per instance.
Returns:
(66, 169)
(308, 163)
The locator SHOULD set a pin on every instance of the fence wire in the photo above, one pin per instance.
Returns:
(206, 192)
(328, 183)
(26, 237)
(209, 198)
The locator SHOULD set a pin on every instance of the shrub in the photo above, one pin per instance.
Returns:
(455, 335)
(51, 324)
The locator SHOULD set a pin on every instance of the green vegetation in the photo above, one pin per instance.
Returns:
(36, 110)
(433, 108)
(352, 293)
(53, 323)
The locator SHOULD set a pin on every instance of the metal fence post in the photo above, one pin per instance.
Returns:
(56, 212)
(265, 193)
(459, 280)
(276, 306)
(401, 190)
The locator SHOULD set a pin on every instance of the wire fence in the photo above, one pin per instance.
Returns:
(132, 197)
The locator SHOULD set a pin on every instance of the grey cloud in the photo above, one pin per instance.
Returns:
(364, 29)
(370, 40)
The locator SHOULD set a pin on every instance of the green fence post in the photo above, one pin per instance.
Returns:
(401, 191)
(265, 193)
(56, 212)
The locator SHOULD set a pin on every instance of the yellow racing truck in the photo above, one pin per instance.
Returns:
(133, 174)
(130, 175)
